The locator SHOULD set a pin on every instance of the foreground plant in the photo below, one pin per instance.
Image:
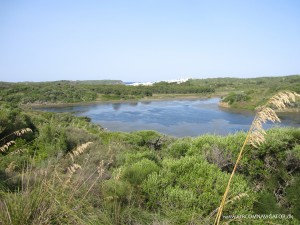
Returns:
(17, 133)
(256, 133)
(48, 196)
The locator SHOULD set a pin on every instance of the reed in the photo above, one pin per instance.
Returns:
(74, 167)
(79, 150)
(71, 170)
(256, 134)
(17, 133)
(22, 131)
(5, 147)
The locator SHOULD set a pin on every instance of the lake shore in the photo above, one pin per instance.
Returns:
(156, 97)
(174, 117)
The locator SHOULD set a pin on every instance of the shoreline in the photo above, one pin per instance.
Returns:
(164, 97)
(145, 99)
(226, 106)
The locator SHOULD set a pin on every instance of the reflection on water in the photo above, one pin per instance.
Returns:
(173, 117)
(116, 106)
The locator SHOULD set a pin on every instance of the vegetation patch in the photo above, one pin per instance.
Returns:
(62, 169)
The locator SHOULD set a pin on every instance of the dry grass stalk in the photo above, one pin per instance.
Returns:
(237, 198)
(71, 170)
(10, 143)
(234, 199)
(100, 168)
(18, 151)
(74, 167)
(256, 133)
(79, 150)
(118, 175)
(18, 133)
(6, 146)
(11, 167)
(22, 131)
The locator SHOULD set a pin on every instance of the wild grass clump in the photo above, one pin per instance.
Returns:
(256, 133)
(46, 195)
(46, 199)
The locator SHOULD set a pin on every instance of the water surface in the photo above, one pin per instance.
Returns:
(173, 117)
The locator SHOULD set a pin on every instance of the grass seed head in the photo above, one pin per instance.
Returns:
(79, 150)
(71, 170)
(6, 146)
(22, 131)
(266, 113)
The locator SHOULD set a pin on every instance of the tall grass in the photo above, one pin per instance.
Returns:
(256, 133)
(17, 133)
(49, 195)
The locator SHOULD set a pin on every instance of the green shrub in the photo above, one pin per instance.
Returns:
(233, 97)
(266, 204)
(292, 194)
(132, 156)
(138, 172)
(119, 190)
(192, 185)
(179, 148)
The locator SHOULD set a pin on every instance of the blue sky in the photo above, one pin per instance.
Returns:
(148, 40)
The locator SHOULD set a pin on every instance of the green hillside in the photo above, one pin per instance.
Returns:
(63, 169)
(237, 92)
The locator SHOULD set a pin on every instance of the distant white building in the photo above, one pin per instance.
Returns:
(142, 84)
(178, 81)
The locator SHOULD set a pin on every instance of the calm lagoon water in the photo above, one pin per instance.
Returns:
(172, 117)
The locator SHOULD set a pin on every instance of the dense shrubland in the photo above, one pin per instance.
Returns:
(238, 93)
(252, 92)
(70, 92)
(66, 170)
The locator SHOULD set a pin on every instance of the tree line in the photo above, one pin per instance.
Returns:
(71, 92)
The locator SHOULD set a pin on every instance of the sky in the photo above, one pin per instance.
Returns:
(148, 40)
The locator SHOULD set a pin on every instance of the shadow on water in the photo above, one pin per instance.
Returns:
(116, 106)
